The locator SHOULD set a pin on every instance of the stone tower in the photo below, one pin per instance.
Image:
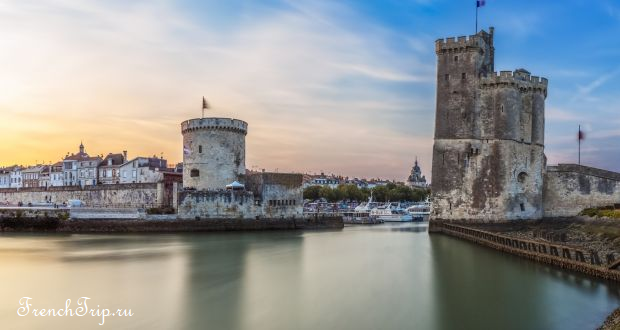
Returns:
(213, 152)
(488, 155)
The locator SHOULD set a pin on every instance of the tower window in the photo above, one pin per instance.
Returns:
(501, 108)
(199, 149)
(522, 207)
(447, 77)
(463, 75)
(194, 173)
(456, 58)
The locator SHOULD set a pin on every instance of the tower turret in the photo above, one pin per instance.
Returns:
(213, 152)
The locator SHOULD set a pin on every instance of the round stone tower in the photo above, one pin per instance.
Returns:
(213, 152)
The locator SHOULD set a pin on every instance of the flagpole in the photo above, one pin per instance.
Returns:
(476, 32)
(579, 148)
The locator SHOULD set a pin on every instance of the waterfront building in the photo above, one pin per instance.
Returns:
(5, 178)
(56, 175)
(110, 168)
(322, 180)
(45, 176)
(31, 175)
(80, 169)
(15, 173)
(143, 170)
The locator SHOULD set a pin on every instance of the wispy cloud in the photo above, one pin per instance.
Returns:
(123, 76)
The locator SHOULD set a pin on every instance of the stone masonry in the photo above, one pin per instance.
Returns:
(488, 155)
(213, 152)
(570, 188)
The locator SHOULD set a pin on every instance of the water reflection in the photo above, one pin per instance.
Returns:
(390, 276)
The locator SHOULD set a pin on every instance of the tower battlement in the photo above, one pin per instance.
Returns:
(464, 43)
(228, 124)
(519, 79)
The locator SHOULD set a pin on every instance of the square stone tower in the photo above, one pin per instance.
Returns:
(488, 155)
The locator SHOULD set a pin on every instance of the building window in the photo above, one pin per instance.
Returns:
(199, 149)
(194, 173)
(522, 207)
(501, 108)
(456, 58)
(463, 75)
(447, 77)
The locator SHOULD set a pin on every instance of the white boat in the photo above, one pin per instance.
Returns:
(361, 213)
(420, 211)
(390, 213)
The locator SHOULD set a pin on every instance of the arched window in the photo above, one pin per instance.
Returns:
(522, 177)
(194, 173)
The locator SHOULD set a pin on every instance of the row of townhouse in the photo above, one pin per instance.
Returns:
(333, 181)
(83, 170)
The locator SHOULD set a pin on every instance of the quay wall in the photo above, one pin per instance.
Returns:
(566, 257)
(570, 188)
(114, 195)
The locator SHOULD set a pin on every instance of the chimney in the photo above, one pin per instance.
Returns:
(124, 156)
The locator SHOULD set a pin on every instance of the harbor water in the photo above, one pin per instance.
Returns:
(387, 276)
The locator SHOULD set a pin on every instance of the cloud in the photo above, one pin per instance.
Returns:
(557, 114)
(316, 90)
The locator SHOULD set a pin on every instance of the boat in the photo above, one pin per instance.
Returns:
(420, 211)
(361, 213)
(390, 212)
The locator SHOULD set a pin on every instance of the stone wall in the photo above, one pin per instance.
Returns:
(281, 194)
(267, 195)
(569, 188)
(117, 195)
(487, 180)
(218, 204)
(488, 155)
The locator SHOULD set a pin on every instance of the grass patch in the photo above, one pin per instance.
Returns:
(608, 212)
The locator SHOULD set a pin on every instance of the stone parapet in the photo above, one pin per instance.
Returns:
(229, 124)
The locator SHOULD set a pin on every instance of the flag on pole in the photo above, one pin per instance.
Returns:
(186, 150)
(480, 3)
(205, 105)
(581, 135)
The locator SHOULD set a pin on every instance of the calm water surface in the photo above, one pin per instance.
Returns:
(380, 277)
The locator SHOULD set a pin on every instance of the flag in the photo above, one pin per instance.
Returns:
(205, 105)
(480, 3)
(186, 150)
(581, 135)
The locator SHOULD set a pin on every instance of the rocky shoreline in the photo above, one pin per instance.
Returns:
(612, 322)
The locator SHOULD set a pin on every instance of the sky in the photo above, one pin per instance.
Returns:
(345, 87)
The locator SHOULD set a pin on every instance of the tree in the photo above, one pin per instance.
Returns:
(312, 192)
(380, 193)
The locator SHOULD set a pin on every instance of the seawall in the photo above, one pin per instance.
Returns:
(570, 188)
(165, 226)
(113, 195)
(558, 255)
